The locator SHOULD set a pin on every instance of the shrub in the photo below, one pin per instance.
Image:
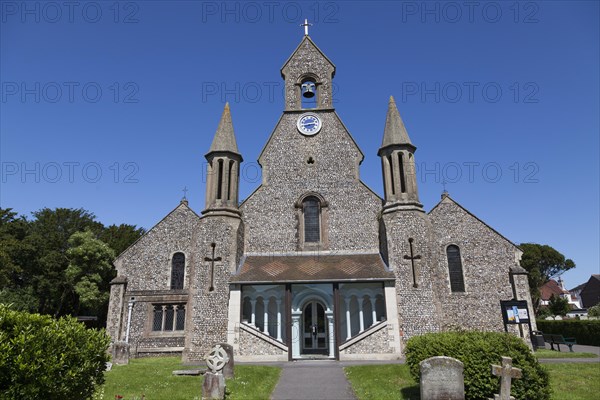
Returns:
(45, 358)
(478, 351)
(594, 311)
(584, 331)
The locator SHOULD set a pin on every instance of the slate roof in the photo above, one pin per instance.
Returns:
(312, 268)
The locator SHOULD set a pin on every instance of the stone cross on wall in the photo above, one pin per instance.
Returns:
(412, 259)
(506, 372)
(212, 266)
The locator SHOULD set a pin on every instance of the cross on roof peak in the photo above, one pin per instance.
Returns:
(305, 25)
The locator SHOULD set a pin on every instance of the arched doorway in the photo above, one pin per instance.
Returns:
(314, 329)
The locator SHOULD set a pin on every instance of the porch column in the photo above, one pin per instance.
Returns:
(279, 320)
(361, 318)
(266, 315)
(348, 321)
(373, 310)
(331, 333)
(296, 334)
(253, 314)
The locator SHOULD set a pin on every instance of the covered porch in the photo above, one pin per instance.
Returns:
(313, 307)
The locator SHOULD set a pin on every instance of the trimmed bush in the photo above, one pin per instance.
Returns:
(45, 358)
(584, 331)
(478, 351)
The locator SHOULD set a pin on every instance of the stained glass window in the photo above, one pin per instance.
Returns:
(312, 224)
(177, 270)
(455, 270)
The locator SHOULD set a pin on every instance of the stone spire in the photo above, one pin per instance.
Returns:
(223, 171)
(395, 131)
(224, 139)
(398, 163)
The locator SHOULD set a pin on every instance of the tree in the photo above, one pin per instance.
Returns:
(558, 305)
(543, 263)
(120, 237)
(90, 270)
(45, 268)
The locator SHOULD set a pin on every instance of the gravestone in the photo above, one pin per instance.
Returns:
(228, 368)
(120, 353)
(213, 387)
(442, 379)
(506, 372)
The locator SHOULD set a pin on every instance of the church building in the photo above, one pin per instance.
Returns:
(313, 264)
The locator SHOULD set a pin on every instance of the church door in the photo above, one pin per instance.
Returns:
(314, 329)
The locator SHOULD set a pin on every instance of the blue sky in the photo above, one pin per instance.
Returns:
(111, 106)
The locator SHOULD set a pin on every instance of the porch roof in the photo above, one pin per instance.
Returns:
(312, 268)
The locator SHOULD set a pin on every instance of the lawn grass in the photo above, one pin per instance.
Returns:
(546, 353)
(569, 381)
(153, 379)
(382, 382)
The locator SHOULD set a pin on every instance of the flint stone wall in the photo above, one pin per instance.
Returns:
(251, 345)
(487, 259)
(377, 343)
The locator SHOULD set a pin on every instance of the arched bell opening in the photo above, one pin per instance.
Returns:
(308, 92)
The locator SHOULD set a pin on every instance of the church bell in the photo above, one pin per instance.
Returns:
(308, 90)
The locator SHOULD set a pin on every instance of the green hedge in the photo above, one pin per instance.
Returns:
(584, 331)
(478, 351)
(45, 358)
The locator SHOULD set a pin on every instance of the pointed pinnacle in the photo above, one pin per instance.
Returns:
(224, 139)
(395, 131)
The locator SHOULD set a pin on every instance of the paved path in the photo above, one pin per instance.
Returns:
(312, 380)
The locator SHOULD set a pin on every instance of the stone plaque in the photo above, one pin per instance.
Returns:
(442, 379)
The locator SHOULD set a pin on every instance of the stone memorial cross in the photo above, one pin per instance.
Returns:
(506, 372)
(217, 359)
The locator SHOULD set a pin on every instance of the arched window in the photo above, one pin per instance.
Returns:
(312, 219)
(455, 270)
(177, 270)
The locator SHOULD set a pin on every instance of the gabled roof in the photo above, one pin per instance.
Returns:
(183, 205)
(312, 268)
(309, 40)
(446, 198)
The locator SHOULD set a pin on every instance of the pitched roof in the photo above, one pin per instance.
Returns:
(446, 198)
(183, 205)
(394, 131)
(549, 288)
(307, 38)
(312, 268)
(224, 139)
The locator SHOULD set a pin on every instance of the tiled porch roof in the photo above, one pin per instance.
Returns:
(312, 268)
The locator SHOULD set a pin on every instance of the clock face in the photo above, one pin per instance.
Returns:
(309, 124)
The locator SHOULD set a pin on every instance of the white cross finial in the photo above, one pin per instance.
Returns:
(306, 25)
